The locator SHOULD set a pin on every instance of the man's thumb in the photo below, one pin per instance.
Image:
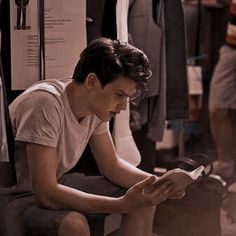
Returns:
(146, 182)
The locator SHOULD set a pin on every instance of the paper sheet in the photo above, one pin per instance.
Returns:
(65, 33)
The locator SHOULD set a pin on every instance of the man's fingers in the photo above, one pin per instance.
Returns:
(145, 183)
(177, 195)
(162, 185)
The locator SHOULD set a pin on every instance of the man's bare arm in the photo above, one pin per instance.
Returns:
(112, 166)
(123, 173)
(50, 194)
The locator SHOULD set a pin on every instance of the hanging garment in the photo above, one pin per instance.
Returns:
(147, 36)
(3, 136)
(7, 159)
(94, 19)
(123, 139)
(109, 19)
(231, 27)
(122, 136)
(156, 125)
(101, 20)
(177, 88)
(152, 110)
(122, 8)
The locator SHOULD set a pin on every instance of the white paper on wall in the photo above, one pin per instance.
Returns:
(65, 38)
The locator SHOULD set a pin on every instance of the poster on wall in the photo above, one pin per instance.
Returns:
(65, 38)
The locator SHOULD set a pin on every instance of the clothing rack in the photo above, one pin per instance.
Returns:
(41, 32)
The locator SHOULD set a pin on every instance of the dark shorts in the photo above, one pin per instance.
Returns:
(24, 217)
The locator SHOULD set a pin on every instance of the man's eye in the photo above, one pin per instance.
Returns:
(120, 95)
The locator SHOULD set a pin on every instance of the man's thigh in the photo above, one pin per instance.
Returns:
(98, 185)
(29, 219)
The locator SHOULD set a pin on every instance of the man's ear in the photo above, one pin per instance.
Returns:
(92, 81)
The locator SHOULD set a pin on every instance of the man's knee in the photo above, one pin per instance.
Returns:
(144, 214)
(74, 224)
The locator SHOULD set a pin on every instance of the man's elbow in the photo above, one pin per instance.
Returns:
(46, 200)
(111, 171)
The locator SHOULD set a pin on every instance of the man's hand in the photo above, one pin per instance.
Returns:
(175, 191)
(150, 192)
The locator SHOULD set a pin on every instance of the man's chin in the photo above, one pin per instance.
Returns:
(106, 119)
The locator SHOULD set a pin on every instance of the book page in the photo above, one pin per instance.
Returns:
(182, 177)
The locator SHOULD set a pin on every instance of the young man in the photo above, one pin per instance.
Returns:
(54, 120)
(222, 102)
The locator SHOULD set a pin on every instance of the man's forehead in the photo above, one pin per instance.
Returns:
(123, 81)
(126, 88)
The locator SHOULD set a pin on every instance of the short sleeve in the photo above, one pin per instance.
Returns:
(37, 119)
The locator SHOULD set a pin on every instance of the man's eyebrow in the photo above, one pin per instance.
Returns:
(124, 93)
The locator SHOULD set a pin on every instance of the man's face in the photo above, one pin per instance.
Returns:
(113, 98)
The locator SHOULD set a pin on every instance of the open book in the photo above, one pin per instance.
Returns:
(182, 177)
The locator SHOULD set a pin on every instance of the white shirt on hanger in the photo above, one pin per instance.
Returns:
(122, 136)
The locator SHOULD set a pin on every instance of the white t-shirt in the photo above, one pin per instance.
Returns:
(42, 115)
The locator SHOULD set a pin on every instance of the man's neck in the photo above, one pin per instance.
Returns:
(76, 96)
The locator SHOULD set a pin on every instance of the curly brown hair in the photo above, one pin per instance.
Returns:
(110, 59)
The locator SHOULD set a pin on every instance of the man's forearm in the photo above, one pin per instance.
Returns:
(63, 197)
(125, 175)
